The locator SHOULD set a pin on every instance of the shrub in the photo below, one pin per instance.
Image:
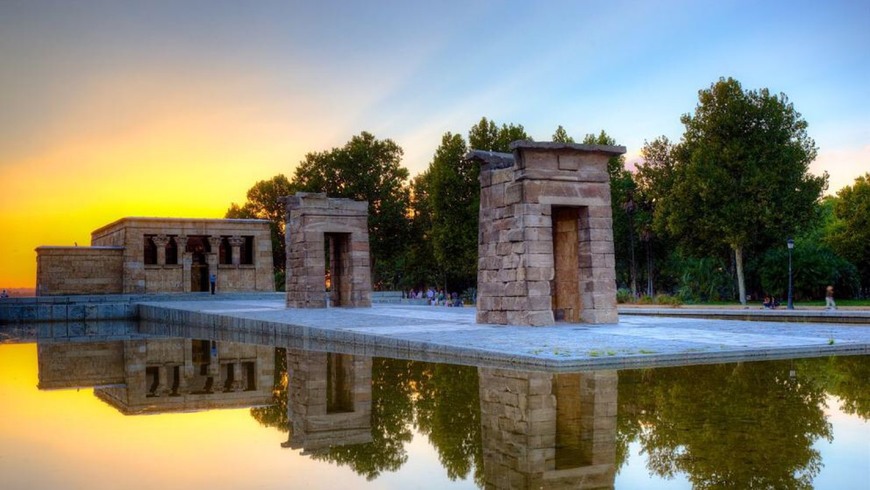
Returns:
(667, 299)
(624, 295)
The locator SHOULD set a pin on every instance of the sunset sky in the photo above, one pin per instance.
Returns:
(113, 108)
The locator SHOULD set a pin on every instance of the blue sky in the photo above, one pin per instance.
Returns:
(217, 95)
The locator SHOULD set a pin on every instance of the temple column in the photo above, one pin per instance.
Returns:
(239, 382)
(164, 385)
(236, 243)
(214, 243)
(161, 241)
(186, 261)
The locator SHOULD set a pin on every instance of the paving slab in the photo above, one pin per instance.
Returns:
(451, 335)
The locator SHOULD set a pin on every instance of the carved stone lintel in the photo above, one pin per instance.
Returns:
(236, 241)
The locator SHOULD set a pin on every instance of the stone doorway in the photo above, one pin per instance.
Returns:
(337, 267)
(566, 280)
(199, 269)
(199, 274)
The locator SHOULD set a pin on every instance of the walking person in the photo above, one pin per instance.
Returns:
(212, 280)
(829, 298)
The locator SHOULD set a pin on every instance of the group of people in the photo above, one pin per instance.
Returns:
(436, 298)
(770, 302)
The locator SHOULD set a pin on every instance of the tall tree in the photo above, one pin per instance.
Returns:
(851, 231)
(450, 196)
(262, 203)
(455, 201)
(366, 169)
(653, 177)
(419, 268)
(485, 135)
(741, 175)
(561, 136)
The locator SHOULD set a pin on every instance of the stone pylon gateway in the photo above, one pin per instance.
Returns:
(545, 250)
(328, 261)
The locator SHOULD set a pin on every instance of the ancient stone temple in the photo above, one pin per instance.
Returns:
(161, 255)
(546, 235)
(328, 261)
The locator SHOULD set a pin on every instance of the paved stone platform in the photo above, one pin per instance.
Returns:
(451, 335)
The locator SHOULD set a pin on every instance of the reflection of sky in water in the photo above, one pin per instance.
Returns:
(850, 450)
(71, 439)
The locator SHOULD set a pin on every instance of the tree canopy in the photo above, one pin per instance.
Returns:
(741, 177)
(850, 236)
(366, 169)
(263, 203)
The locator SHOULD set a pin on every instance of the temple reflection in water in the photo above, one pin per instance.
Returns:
(160, 375)
(745, 423)
(546, 430)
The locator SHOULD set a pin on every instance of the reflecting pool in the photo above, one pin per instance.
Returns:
(156, 412)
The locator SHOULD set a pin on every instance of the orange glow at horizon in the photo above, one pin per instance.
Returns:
(127, 450)
(59, 196)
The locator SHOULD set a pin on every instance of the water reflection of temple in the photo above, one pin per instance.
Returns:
(548, 430)
(160, 375)
(330, 400)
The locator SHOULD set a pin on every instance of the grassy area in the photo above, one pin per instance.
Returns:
(846, 303)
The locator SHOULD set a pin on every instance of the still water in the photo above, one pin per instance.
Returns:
(189, 413)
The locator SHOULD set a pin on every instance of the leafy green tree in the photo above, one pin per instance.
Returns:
(485, 135)
(366, 169)
(653, 177)
(814, 265)
(448, 194)
(561, 136)
(263, 203)
(850, 234)
(419, 267)
(455, 202)
(741, 175)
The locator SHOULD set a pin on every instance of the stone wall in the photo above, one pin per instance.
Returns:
(78, 270)
(197, 243)
(317, 226)
(531, 272)
(546, 430)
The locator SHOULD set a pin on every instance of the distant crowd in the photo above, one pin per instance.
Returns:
(436, 298)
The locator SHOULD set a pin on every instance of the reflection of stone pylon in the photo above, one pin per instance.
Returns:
(330, 399)
(546, 430)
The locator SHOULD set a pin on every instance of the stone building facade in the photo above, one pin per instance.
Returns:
(545, 249)
(328, 262)
(161, 255)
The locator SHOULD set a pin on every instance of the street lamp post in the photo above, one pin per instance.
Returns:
(790, 244)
